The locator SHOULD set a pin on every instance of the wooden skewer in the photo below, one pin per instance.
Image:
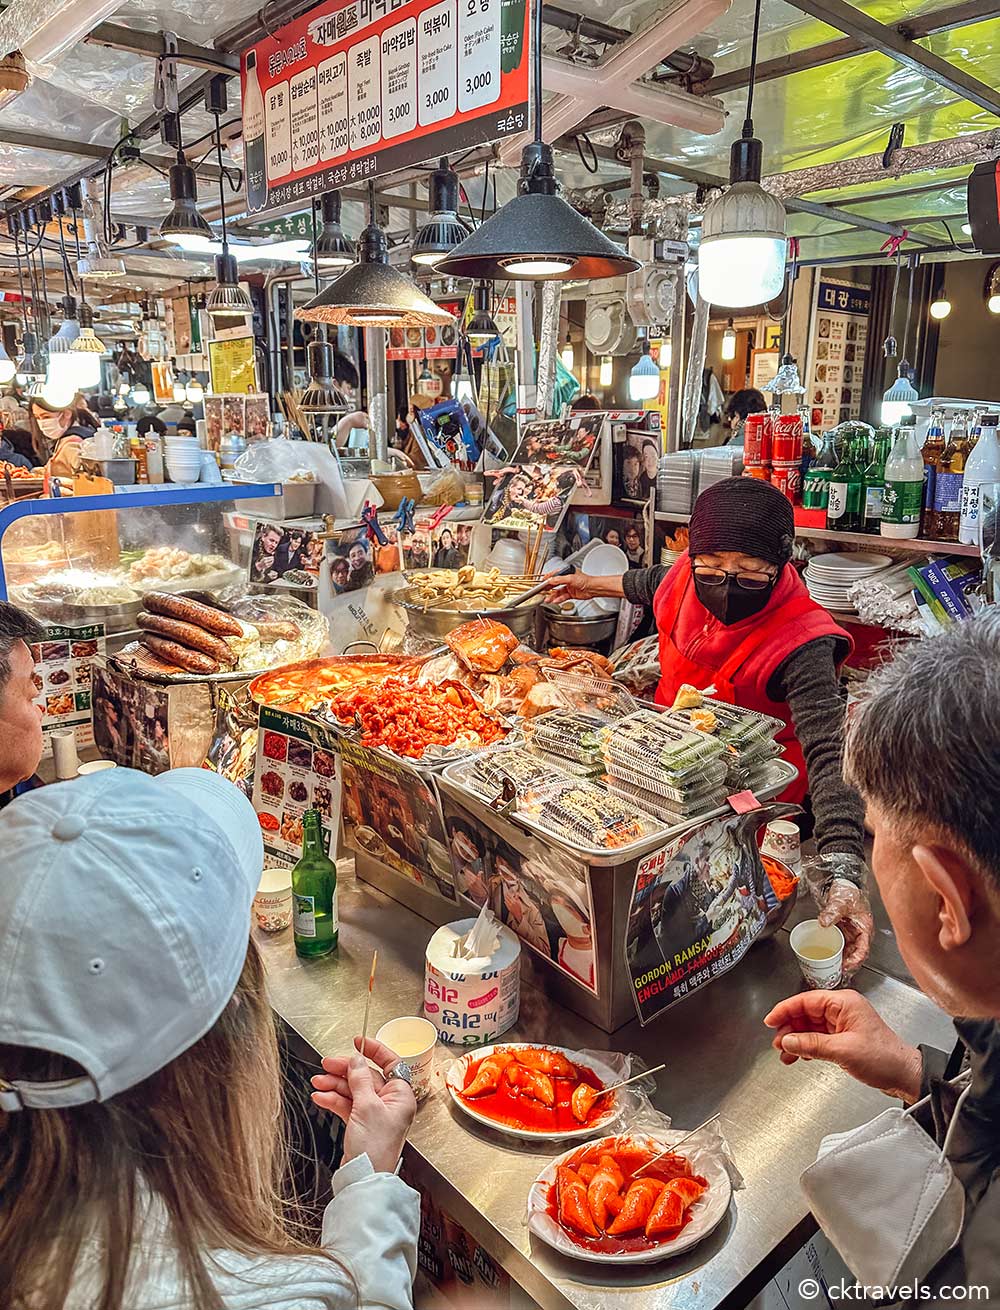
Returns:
(672, 1149)
(634, 1079)
(368, 1001)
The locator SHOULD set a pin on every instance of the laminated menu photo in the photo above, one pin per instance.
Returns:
(296, 770)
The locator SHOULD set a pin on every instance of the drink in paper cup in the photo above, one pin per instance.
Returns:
(413, 1040)
(819, 951)
(272, 906)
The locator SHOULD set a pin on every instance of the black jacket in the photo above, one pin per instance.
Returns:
(974, 1155)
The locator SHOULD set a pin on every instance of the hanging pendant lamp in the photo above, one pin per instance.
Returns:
(644, 379)
(481, 326)
(333, 251)
(444, 230)
(184, 219)
(321, 396)
(741, 258)
(898, 399)
(227, 297)
(538, 234)
(372, 293)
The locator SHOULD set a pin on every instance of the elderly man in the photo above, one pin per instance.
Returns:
(924, 751)
(20, 717)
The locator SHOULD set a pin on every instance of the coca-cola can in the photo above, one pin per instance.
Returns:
(757, 471)
(787, 477)
(786, 439)
(757, 440)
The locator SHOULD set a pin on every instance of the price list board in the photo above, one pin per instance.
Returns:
(355, 90)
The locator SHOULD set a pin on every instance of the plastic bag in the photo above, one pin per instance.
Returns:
(279, 460)
(289, 630)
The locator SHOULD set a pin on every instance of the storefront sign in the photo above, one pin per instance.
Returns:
(697, 907)
(838, 341)
(843, 297)
(355, 90)
(232, 365)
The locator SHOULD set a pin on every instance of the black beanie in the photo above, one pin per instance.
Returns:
(743, 514)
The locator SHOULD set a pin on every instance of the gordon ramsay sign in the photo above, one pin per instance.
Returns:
(352, 91)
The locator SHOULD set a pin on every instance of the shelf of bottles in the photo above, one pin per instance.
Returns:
(915, 545)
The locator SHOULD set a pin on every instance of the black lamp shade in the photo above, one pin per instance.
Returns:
(538, 236)
(184, 218)
(320, 396)
(228, 297)
(334, 250)
(444, 230)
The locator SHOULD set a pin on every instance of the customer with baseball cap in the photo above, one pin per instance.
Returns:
(140, 1142)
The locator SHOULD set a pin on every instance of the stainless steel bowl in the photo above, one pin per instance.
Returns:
(439, 622)
(570, 630)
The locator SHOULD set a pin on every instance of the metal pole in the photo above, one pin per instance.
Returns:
(527, 390)
(674, 416)
(378, 404)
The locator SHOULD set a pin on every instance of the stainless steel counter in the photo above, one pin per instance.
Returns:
(719, 1059)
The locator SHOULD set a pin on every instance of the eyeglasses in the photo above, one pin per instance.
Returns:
(748, 581)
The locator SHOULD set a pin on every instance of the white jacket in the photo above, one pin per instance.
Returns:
(370, 1228)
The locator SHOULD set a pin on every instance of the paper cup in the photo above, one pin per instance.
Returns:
(413, 1040)
(781, 839)
(95, 766)
(819, 951)
(64, 756)
(272, 906)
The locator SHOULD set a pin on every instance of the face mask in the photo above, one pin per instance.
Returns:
(887, 1198)
(50, 427)
(730, 602)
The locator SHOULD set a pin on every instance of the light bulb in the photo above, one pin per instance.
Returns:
(729, 342)
(179, 392)
(993, 304)
(139, 395)
(741, 271)
(607, 371)
(940, 308)
(898, 400)
(567, 357)
(644, 380)
(58, 390)
(537, 265)
(666, 352)
(967, 229)
(87, 367)
(194, 391)
(7, 367)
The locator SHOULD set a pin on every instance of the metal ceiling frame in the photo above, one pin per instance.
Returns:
(963, 14)
(888, 41)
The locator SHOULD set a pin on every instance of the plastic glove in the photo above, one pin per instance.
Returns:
(838, 882)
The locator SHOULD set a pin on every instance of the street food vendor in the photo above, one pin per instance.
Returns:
(58, 433)
(733, 614)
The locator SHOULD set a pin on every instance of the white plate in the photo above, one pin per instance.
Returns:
(455, 1081)
(605, 561)
(850, 563)
(707, 1212)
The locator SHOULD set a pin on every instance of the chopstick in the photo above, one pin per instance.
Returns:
(368, 1001)
(672, 1149)
(634, 1079)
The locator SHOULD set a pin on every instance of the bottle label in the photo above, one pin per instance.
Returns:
(334, 916)
(304, 915)
(902, 502)
(836, 505)
(971, 500)
(873, 503)
(947, 493)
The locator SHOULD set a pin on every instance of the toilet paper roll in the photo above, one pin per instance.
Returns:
(471, 1002)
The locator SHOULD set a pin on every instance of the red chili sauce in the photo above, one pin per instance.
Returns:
(629, 1157)
(509, 1105)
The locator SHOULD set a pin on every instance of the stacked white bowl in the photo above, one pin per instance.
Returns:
(183, 458)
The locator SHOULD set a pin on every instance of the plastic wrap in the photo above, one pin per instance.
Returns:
(744, 730)
(290, 630)
(587, 814)
(278, 460)
(646, 740)
(570, 734)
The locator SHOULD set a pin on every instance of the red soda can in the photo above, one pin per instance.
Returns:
(787, 477)
(786, 441)
(757, 440)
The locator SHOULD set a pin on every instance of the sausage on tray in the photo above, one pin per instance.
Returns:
(143, 660)
(188, 634)
(192, 611)
(190, 661)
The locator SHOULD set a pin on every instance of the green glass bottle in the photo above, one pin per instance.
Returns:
(871, 509)
(847, 481)
(314, 893)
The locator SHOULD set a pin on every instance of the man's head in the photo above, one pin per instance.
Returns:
(339, 571)
(269, 539)
(357, 555)
(923, 750)
(632, 539)
(20, 718)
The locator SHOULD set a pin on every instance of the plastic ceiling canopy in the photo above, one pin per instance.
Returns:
(834, 113)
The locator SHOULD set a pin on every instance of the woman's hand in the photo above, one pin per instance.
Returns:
(844, 1028)
(581, 586)
(847, 906)
(377, 1113)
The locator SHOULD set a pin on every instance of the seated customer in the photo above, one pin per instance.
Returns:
(20, 717)
(141, 1146)
(923, 750)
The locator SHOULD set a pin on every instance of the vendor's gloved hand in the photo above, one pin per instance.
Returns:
(838, 882)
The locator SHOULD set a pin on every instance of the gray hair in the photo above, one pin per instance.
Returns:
(924, 744)
(15, 625)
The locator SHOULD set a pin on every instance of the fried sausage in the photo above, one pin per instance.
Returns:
(192, 611)
(190, 661)
(141, 660)
(188, 634)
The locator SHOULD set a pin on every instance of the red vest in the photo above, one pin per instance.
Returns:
(739, 658)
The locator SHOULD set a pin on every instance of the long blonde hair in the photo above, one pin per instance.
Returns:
(204, 1136)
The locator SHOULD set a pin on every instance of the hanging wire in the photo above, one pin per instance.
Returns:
(909, 307)
(223, 177)
(748, 122)
(889, 344)
(65, 260)
(579, 139)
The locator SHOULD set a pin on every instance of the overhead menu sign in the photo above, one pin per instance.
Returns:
(352, 91)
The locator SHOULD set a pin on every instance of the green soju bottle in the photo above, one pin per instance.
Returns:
(314, 893)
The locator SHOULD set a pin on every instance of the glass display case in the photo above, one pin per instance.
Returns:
(90, 559)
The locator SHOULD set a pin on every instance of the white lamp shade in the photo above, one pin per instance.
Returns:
(740, 271)
(644, 380)
(606, 371)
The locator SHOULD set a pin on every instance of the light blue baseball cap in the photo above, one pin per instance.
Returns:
(124, 921)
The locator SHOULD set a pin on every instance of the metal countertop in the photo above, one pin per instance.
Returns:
(719, 1057)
